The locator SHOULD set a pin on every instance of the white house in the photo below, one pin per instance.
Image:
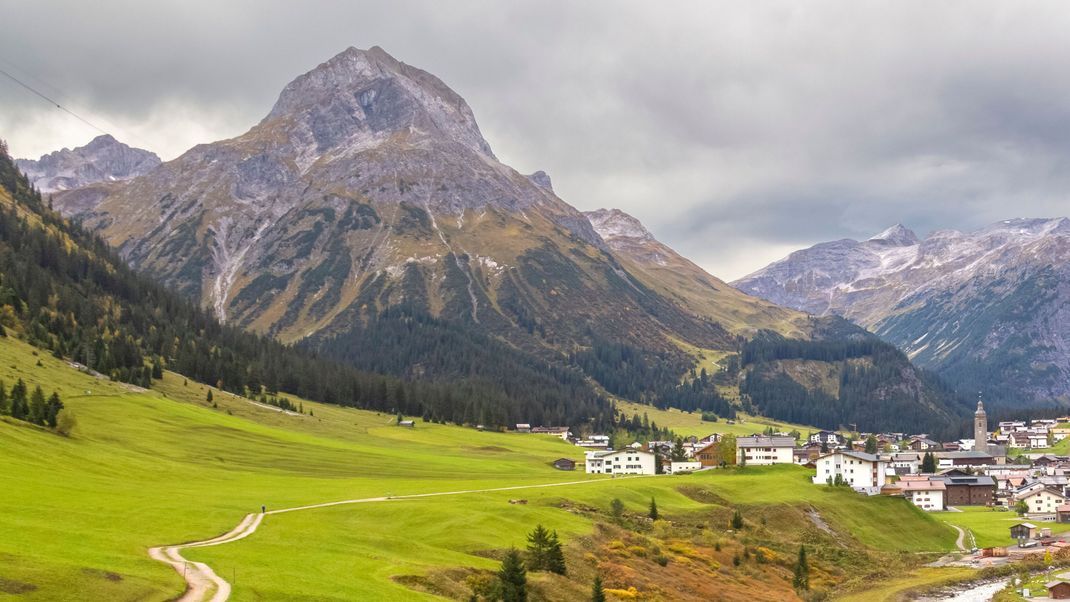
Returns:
(924, 493)
(678, 467)
(1043, 501)
(902, 463)
(625, 461)
(762, 450)
(857, 469)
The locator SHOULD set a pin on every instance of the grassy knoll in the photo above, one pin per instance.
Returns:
(991, 527)
(165, 466)
(453, 531)
(141, 470)
(691, 423)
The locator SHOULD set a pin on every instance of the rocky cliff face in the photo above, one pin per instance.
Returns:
(366, 216)
(987, 309)
(368, 186)
(104, 159)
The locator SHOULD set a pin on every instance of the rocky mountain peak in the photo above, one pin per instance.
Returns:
(103, 159)
(898, 235)
(370, 92)
(542, 179)
(613, 224)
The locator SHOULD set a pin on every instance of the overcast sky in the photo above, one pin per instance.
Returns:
(737, 131)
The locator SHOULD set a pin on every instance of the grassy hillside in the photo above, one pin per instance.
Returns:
(146, 468)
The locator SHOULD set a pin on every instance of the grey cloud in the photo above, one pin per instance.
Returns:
(735, 131)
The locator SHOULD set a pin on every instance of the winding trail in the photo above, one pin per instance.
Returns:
(203, 584)
(962, 537)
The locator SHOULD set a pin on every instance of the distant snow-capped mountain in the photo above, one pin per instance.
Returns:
(104, 159)
(988, 309)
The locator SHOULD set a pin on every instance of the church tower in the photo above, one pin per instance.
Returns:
(980, 428)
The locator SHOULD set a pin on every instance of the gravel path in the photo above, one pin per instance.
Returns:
(203, 584)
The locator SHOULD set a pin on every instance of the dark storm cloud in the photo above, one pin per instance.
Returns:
(735, 131)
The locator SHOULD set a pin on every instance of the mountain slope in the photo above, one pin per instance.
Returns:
(664, 270)
(103, 159)
(368, 186)
(986, 309)
(367, 207)
(65, 291)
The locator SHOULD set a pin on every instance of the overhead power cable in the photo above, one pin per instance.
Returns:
(53, 102)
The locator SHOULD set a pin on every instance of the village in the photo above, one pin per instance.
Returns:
(1007, 469)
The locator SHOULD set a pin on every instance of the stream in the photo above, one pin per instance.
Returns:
(978, 591)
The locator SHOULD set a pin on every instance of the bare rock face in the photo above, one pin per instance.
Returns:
(370, 186)
(987, 309)
(104, 159)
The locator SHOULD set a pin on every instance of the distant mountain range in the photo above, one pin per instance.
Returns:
(104, 159)
(366, 217)
(989, 310)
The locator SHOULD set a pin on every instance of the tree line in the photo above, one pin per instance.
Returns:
(65, 290)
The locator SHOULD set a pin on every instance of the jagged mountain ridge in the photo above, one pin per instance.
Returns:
(986, 309)
(367, 207)
(103, 159)
(369, 185)
(665, 270)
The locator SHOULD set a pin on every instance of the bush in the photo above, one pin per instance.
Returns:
(66, 423)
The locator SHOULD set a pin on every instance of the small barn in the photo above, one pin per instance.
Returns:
(565, 464)
(1058, 589)
(1023, 531)
(1062, 513)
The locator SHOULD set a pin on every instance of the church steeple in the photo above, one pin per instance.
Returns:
(980, 427)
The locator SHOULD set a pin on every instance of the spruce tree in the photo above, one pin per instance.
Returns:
(513, 578)
(653, 514)
(678, 453)
(157, 367)
(598, 594)
(5, 405)
(209, 396)
(737, 520)
(19, 406)
(801, 579)
(555, 560)
(37, 406)
(928, 463)
(616, 508)
(53, 408)
(539, 549)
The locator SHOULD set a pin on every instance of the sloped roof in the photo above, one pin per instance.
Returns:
(764, 441)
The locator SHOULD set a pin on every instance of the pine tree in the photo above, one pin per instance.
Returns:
(653, 514)
(598, 594)
(209, 396)
(513, 578)
(53, 408)
(555, 561)
(737, 520)
(871, 445)
(157, 367)
(538, 549)
(37, 406)
(928, 463)
(5, 405)
(678, 453)
(801, 579)
(19, 406)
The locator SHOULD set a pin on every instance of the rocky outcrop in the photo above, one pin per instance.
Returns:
(104, 159)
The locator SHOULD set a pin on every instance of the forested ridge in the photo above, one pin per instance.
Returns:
(877, 389)
(64, 290)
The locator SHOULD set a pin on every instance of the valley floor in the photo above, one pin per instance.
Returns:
(149, 468)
